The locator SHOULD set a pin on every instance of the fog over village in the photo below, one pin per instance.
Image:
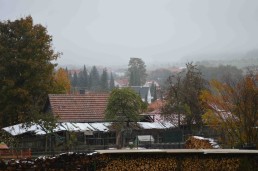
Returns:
(166, 32)
(128, 85)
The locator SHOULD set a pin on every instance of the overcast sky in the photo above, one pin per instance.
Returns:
(109, 32)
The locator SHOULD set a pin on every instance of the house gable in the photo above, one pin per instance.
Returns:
(144, 92)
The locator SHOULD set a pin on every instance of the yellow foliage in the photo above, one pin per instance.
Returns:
(232, 108)
(211, 119)
(62, 81)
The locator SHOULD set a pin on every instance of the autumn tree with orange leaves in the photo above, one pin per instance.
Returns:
(232, 109)
(62, 82)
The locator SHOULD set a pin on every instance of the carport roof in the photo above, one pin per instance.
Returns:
(77, 127)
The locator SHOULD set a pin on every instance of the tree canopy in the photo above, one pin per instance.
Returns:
(26, 70)
(62, 82)
(137, 72)
(94, 80)
(232, 109)
(112, 82)
(160, 75)
(153, 91)
(124, 105)
(221, 73)
(74, 80)
(182, 97)
(83, 78)
(104, 80)
(91, 81)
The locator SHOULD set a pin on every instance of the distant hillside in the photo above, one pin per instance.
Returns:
(239, 60)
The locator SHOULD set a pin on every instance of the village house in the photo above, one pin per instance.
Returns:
(89, 107)
(121, 83)
(144, 92)
(81, 126)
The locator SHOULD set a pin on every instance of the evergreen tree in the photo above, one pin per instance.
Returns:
(66, 70)
(137, 72)
(70, 77)
(80, 79)
(85, 82)
(153, 91)
(104, 80)
(112, 82)
(94, 79)
(75, 80)
(83, 79)
(152, 88)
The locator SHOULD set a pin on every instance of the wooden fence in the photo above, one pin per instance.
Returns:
(15, 154)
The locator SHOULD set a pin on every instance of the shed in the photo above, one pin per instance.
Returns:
(143, 139)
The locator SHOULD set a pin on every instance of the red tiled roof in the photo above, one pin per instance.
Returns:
(79, 108)
(154, 106)
(3, 146)
(123, 82)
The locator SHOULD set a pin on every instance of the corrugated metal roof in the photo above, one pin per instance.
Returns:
(100, 126)
(68, 126)
(77, 127)
(151, 125)
(21, 129)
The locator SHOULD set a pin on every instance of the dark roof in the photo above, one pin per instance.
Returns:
(142, 91)
(79, 108)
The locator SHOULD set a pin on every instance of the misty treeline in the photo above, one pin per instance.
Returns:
(220, 73)
(250, 58)
(92, 80)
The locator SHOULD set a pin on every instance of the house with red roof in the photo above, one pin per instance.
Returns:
(89, 107)
(82, 116)
(121, 82)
